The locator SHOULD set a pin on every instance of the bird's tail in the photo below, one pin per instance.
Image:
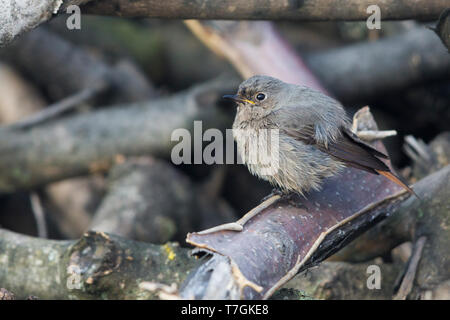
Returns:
(397, 180)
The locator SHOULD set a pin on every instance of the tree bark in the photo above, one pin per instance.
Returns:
(97, 266)
(17, 17)
(307, 10)
(290, 237)
(347, 281)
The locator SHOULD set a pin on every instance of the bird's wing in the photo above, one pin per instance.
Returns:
(347, 147)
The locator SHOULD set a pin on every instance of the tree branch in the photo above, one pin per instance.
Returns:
(18, 17)
(415, 56)
(307, 10)
(292, 236)
(91, 142)
(70, 69)
(97, 266)
(150, 200)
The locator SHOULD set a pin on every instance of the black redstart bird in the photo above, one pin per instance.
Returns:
(314, 136)
(314, 140)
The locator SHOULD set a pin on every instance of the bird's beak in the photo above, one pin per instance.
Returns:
(237, 99)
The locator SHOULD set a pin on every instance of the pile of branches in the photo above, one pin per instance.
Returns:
(93, 208)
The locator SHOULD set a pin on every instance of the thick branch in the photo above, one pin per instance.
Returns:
(292, 236)
(69, 69)
(400, 228)
(346, 281)
(254, 48)
(92, 142)
(392, 63)
(18, 17)
(307, 10)
(150, 200)
(415, 56)
(97, 266)
(443, 28)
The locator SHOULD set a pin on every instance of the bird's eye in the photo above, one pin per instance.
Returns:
(260, 96)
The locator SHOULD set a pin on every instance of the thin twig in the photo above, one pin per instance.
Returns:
(417, 150)
(59, 107)
(408, 279)
(38, 212)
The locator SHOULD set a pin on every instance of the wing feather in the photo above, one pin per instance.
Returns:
(346, 147)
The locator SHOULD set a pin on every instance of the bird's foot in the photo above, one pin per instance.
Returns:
(239, 225)
(274, 192)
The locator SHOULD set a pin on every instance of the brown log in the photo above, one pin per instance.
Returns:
(292, 236)
(307, 10)
(381, 239)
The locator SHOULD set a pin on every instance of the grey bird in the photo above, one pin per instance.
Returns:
(314, 137)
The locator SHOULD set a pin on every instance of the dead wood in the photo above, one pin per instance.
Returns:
(6, 295)
(27, 15)
(286, 239)
(97, 266)
(149, 200)
(346, 281)
(415, 56)
(428, 218)
(254, 48)
(18, 97)
(308, 10)
(69, 204)
(389, 64)
(381, 239)
(94, 141)
(70, 69)
(443, 28)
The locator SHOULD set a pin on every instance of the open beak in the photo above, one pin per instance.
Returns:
(237, 99)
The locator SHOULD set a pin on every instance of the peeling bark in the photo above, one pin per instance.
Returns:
(290, 237)
(400, 228)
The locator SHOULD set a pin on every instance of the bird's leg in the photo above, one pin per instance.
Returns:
(239, 225)
(275, 192)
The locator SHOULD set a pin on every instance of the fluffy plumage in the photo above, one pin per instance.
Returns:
(313, 139)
